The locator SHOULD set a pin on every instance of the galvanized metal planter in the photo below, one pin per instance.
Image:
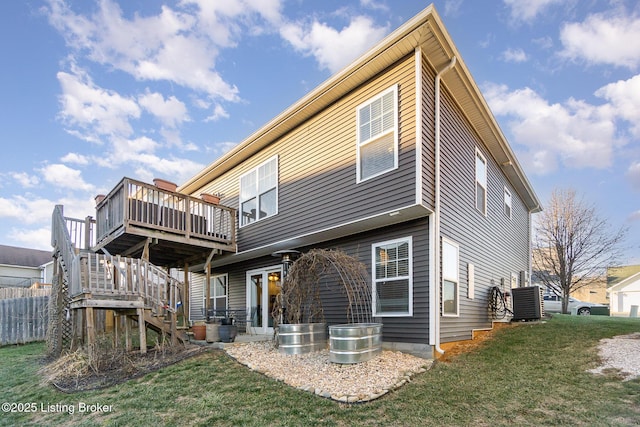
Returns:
(354, 342)
(301, 338)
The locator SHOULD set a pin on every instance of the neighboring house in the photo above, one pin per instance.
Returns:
(398, 161)
(624, 289)
(22, 267)
(595, 292)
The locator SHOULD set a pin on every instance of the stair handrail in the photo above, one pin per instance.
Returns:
(62, 244)
(166, 298)
(119, 275)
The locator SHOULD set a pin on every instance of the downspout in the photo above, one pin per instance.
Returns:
(435, 311)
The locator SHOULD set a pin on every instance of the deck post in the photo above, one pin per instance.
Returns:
(186, 297)
(87, 232)
(127, 333)
(142, 328)
(91, 331)
(116, 329)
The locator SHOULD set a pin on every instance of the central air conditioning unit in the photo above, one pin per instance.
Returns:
(527, 303)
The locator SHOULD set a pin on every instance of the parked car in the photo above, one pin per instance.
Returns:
(553, 304)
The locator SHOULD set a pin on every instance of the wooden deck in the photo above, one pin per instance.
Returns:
(137, 219)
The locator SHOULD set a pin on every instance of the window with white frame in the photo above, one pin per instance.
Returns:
(218, 286)
(259, 192)
(481, 182)
(377, 133)
(392, 278)
(450, 278)
(507, 202)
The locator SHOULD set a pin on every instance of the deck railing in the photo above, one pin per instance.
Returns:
(65, 248)
(116, 277)
(135, 203)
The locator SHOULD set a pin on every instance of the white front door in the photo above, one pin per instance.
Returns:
(262, 288)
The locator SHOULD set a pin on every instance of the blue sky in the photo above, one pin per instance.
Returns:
(96, 90)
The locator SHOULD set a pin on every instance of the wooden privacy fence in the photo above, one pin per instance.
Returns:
(6, 293)
(23, 320)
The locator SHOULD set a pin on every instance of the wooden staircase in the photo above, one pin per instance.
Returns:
(130, 287)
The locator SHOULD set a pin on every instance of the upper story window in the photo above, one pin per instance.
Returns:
(481, 183)
(507, 202)
(259, 192)
(392, 278)
(378, 135)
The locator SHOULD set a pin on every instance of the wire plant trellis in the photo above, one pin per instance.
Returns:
(299, 299)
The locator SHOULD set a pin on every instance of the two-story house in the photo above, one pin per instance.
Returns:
(396, 160)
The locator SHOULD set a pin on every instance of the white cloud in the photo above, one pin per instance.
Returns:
(63, 176)
(601, 39)
(38, 238)
(624, 97)
(633, 175)
(514, 55)
(25, 179)
(375, 5)
(452, 7)
(218, 113)
(528, 10)
(171, 112)
(75, 158)
(94, 109)
(179, 46)
(139, 154)
(572, 134)
(320, 40)
(28, 209)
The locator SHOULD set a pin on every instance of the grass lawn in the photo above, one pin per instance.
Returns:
(534, 374)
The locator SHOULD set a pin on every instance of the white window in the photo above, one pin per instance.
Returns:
(507, 202)
(481, 183)
(378, 135)
(392, 278)
(259, 192)
(450, 278)
(218, 286)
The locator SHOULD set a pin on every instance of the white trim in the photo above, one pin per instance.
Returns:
(277, 188)
(359, 143)
(211, 297)
(471, 281)
(418, 151)
(264, 303)
(509, 204)
(475, 181)
(409, 277)
(450, 278)
(434, 289)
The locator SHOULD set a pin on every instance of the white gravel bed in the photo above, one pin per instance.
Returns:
(314, 373)
(622, 353)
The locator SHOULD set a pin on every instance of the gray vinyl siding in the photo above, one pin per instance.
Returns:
(196, 296)
(412, 329)
(495, 244)
(317, 168)
(428, 135)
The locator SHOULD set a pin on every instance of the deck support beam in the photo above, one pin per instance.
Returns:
(142, 328)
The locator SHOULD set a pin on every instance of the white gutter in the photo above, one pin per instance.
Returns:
(434, 313)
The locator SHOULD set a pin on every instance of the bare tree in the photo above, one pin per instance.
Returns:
(573, 244)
